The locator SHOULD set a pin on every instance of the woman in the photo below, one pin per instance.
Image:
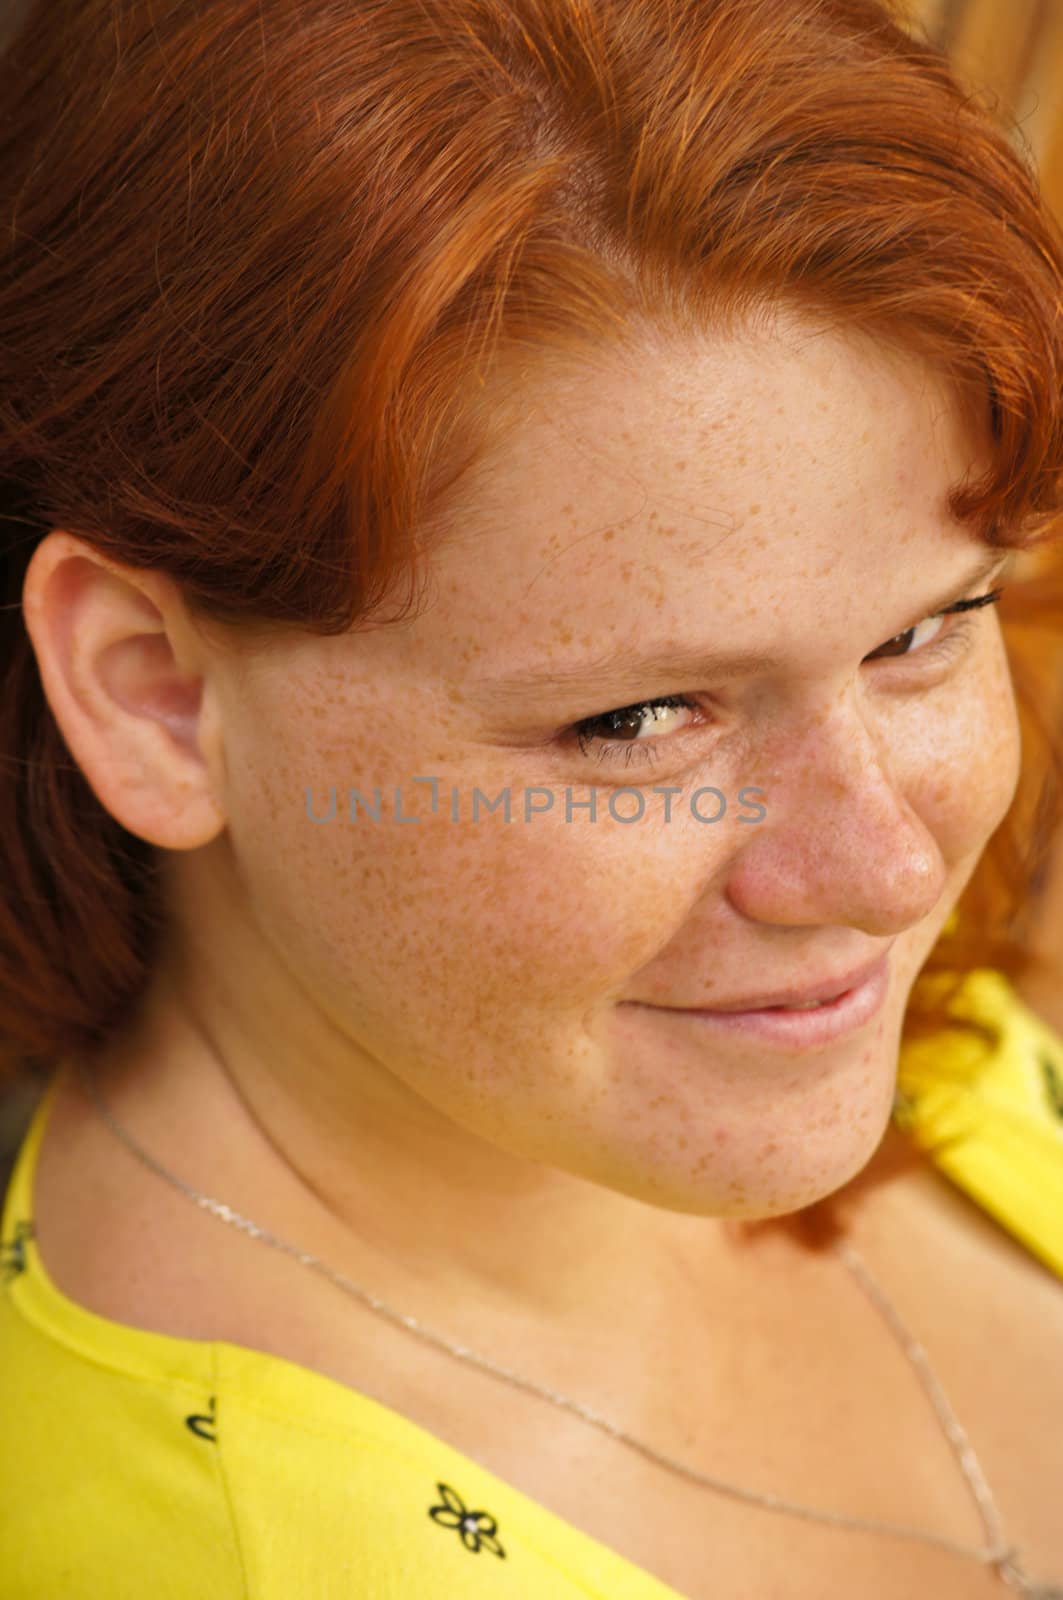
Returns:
(507, 505)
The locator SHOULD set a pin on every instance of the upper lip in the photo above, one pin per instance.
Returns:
(822, 989)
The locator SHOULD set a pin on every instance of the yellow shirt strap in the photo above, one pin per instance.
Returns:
(990, 1116)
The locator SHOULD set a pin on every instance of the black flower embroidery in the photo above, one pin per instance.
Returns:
(1053, 1084)
(477, 1529)
(202, 1422)
(13, 1251)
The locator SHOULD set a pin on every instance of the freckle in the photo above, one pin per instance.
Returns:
(610, 533)
(754, 509)
(565, 635)
(721, 1136)
(680, 466)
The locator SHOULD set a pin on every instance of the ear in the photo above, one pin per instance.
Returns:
(123, 670)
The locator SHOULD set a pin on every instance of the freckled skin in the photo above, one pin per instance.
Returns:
(435, 1020)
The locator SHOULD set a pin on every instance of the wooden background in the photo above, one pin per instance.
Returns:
(1015, 49)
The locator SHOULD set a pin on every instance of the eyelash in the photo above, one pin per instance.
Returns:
(640, 750)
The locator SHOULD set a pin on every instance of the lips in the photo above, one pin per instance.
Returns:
(801, 994)
(777, 1029)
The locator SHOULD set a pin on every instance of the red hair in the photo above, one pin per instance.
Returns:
(256, 255)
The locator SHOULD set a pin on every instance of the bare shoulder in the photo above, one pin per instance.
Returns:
(960, 1261)
(964, 1230)
(989, 1314)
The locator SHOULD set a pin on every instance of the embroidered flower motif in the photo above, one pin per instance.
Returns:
(13, 1251)
(476, 1527)
(1053, 1083)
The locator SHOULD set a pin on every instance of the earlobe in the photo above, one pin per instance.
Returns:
(126, 685)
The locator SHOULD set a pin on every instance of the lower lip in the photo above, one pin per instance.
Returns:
(801, 1030)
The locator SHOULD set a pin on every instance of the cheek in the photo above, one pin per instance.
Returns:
(539, 917)
(964, 759)
(451, 922)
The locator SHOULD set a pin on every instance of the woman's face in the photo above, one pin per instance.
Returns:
(499, 989)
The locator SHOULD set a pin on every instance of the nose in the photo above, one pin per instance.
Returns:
(841, 844)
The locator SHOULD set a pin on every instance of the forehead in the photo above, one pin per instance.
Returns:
(765, 455)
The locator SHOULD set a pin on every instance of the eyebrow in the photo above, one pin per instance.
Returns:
(667, 659)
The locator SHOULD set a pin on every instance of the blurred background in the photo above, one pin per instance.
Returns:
(1011, 50)
(1014, 49)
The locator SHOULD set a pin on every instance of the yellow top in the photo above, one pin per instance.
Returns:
(135, 1464)
(990, 1117)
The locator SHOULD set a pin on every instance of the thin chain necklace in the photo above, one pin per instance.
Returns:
(999, 1553)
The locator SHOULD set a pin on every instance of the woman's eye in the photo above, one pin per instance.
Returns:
(893, 647)
(631, 725)
(633, 732)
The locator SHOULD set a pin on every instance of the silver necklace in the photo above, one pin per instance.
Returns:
(999, 1553)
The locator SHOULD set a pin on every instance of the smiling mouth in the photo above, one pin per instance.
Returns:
(794, 1027)
(817, 995)
(803, 1005)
